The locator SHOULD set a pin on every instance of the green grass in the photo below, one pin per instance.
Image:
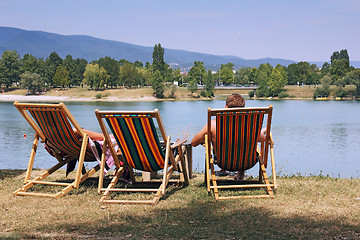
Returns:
(314, 207)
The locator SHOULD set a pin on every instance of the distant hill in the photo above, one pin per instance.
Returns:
(40, 44)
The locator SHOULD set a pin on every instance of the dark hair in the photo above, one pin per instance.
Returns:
(235, 100)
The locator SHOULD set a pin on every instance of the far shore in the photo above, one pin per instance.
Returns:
(78, 94)
(42, 98)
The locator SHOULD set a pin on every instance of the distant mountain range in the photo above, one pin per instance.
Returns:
(40, 44)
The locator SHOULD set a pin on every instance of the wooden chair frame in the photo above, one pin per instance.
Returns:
(167, 171)
(81, 173)
(263, 150)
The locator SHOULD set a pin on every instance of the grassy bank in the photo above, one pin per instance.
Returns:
(146, 93)
(303, 207)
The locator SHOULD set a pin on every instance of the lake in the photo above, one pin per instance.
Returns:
(311, 137)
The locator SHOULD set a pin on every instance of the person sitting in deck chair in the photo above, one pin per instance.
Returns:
(233, 101)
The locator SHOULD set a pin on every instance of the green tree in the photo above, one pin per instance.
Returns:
(61, 77)
(138, 64)
(197, 72)
(192, 86)
(80, 65)
(158, 59)
(209, 84)
(143, 76)
(293, 73)
(242, 76)
(29, 63)
(147, 65)
(33, 82)
(263, 86)
(123, 61)
(129, 75)
(112, 68)
(227, 74)
(253, 76)
(304, 71)
(353, 77)
(9, 68)
(157, 83)
(325, 69)
(261, 78)
(313, 78)
(177, 77)
(277, 81)
(70, 65)
(324, 89)
(52, 62)
(339, 68)
(95, 76)
(343, 54)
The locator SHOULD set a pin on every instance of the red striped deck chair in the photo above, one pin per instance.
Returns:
(53, 124)
(140, 144)
(237, 149)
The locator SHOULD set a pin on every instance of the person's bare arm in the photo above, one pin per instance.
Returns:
(262, 135)
(93, 135)
(199, 138)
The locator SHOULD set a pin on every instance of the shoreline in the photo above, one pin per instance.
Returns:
(42, 98)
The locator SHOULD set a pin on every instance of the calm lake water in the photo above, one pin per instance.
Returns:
(311, 137)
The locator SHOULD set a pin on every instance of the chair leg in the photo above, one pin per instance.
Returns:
(213, 179)
(207, 163)
(266, 180)
(102, 168)
(111, 185)
(81, 160)
(183, 165)
(167, 155)
(32, 158)
(273, 162)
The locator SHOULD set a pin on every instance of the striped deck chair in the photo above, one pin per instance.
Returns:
(53, 124)
(237, 148)
(137, 137)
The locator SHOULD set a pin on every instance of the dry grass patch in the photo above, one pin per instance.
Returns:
(300, 92)
(303, 207)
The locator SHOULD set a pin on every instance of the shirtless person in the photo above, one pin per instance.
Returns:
(233, 101)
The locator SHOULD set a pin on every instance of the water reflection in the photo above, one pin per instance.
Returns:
(310, 136)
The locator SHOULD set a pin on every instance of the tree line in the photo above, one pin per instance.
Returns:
(38, 74)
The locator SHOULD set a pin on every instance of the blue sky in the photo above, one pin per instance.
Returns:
(307, 30)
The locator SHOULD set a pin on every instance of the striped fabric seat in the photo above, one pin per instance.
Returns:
(58, 131)
(237, 148)
(236, 140)
(53, 124)
(138, 140)
(139, 135)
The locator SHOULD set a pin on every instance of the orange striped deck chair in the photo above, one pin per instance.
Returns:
(53, 124)
(137, 136)
(237, 148)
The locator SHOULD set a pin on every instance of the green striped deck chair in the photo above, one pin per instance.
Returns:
(141, 149)
(53, 125)
(237, 148)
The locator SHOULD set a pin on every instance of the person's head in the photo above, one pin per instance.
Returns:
(235, 100)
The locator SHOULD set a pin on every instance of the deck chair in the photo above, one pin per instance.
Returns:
(53, 124)
(237, 149)
(138, 140)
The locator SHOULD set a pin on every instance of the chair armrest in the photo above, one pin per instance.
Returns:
(178, 143)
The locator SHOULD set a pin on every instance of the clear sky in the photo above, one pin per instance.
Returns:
(300, 30)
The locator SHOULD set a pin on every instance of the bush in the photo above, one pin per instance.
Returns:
(98, 96)
(321, 91)
(206, 94)
(251, 94)
(283, 95)
(340, 92)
